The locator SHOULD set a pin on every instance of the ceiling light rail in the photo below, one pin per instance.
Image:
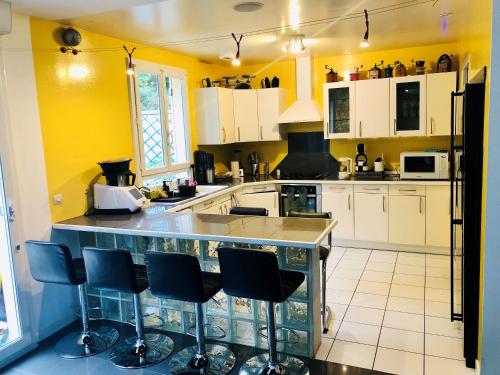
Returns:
(356, 15)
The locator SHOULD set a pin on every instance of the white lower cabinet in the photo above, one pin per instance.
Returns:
(267, 200)
(371, 216)
(407, 219)
(437, 231)
(339, 202)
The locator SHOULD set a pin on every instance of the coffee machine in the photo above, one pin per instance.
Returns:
(118, 195)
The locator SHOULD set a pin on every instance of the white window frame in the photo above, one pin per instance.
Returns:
(135, 105)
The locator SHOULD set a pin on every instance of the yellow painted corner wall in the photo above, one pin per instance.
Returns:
(84, 108)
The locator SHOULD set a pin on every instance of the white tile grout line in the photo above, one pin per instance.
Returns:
(385, 309)
(349, 304)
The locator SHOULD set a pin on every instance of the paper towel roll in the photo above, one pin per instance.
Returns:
(235, 168)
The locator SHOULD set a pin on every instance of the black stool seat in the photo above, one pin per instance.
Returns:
(113, 270)
(324, 252)
(251, 211)
(179, 276)
(52, 263)
(255, 274)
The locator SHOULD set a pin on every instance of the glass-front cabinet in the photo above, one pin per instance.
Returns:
(408, 106)
(339, 109)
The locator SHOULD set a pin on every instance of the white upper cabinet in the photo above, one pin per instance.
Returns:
(372, 108)
(339, 99)
(246, 119)
(214, 115)
(270, 105)
(439, 89)
(408, 102)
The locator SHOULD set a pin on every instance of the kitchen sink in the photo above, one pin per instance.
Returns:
(202, 190)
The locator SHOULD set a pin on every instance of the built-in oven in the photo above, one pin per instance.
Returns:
(299, 197)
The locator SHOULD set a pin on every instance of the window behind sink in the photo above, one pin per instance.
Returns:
(161, 132)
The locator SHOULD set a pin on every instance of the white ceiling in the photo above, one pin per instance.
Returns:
(393, 23)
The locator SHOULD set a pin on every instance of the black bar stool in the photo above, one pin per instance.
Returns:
(52, 263)
(324, 253)
(114, 270)
(255, 274)
(179, 277)
(254, 211)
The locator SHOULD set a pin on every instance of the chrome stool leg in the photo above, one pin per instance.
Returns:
(143, 350)
(273, 363)
(208, 358)
(89, 341)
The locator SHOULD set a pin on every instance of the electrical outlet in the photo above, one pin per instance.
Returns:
(58, 199)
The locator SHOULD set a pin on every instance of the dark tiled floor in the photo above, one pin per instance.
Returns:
(44, 361)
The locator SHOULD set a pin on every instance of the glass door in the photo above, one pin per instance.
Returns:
(408, 106)
(16, 330)
(339, 107)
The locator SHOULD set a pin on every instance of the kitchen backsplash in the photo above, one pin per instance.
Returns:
(274, 152)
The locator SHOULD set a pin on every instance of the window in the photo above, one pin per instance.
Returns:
(162, 122)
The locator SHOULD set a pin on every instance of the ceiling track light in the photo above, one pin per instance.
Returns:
(236, 61)
(364, 43)
(130, 66)
(296, 44)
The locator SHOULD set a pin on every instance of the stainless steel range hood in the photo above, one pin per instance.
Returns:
(304, 109)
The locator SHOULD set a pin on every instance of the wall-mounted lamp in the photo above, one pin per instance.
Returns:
(364, 43)
(130, 66)
(236, 61)
(71, 39)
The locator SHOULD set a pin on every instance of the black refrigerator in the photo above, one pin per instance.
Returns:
(466, 184)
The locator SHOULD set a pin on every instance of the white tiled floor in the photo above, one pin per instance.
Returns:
(391, 313)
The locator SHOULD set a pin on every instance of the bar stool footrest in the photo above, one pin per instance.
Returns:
(294, 340)
(191, 331)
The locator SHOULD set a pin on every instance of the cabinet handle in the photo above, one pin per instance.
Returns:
(371, 189)
(208, 204)
(220, 209)
(239, 135)
(420, 208)
(409, 190)
(223, 135)
(349, 202)
(261, 135)
(432, 125)
(360, 129)
(383, 203)
(395, 127)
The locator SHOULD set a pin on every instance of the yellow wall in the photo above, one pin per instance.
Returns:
(86, 120)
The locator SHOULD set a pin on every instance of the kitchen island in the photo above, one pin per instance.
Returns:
(295, 242)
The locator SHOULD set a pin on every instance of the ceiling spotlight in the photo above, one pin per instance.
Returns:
(296, 44)
(236, 61)
(364, 43)
(130, 66)
(248, 6)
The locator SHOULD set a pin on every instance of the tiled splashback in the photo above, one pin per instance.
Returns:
(240, 318)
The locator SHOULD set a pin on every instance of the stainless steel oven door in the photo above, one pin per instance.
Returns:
(299, 198)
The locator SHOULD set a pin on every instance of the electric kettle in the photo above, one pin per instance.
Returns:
(345, 168)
